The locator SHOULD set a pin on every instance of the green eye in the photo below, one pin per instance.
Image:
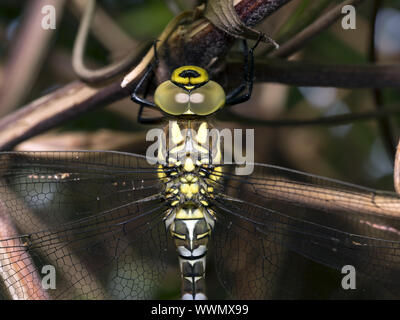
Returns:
(201, 101)
(207, 99)
(171, 99)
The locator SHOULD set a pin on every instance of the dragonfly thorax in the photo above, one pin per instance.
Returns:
(190, 143)
(190, 161)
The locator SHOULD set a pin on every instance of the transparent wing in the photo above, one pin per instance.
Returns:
(271, 223)
(96, 217)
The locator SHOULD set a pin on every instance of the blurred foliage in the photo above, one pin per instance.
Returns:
(353, 152)
(137, 22)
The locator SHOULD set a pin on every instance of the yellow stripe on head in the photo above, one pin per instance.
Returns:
(189, 76)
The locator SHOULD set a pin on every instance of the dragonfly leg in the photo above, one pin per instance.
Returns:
(134, 96)
(142, 101)
(236, 96)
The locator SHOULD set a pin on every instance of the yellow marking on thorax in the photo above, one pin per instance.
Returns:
(189, 178)
(160, 173)
(188, 165)
(217, 175)
(183, 214)
(174, 203)
(176, 133)
(204, 203)
(189, 189)
(202, 133)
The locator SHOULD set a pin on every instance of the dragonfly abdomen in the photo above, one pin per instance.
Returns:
(191, 228)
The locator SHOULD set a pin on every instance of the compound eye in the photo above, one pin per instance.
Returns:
(171, 99)
(207, 99)
(197, 97)
(182, 97)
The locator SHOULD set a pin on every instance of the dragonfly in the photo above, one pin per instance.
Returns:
(105, 224)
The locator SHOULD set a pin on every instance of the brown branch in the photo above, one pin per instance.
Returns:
(222, 14)
(200, 42)
(54, 109)
(340, 119)
(300, 73)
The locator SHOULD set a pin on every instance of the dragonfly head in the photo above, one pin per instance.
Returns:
(189, 92)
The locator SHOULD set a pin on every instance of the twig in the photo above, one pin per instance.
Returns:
(55, 108)
(26, 55)
(227, 115)
(385, 126)
(300, 73)
(305, 14)
(312, 30)
(94, 76)
(106, 30)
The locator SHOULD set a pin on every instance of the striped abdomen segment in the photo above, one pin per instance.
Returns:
(193, 267)
(191, 229)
